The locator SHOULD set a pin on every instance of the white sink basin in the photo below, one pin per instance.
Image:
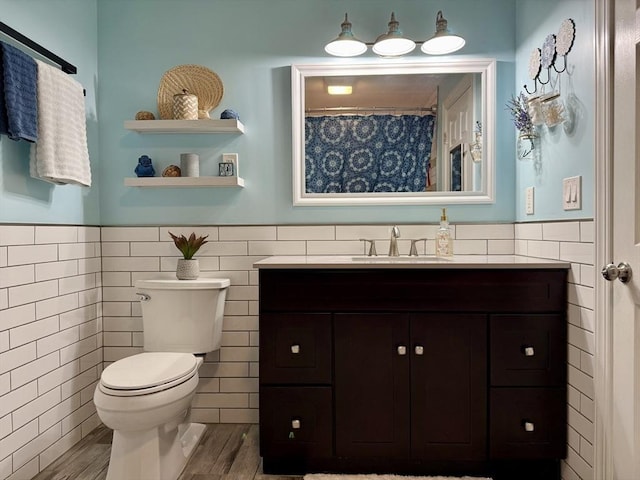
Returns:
(401, 259)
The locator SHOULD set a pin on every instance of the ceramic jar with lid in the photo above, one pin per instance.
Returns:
(185, 106)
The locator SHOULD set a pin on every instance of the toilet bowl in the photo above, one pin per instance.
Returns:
(146, 398)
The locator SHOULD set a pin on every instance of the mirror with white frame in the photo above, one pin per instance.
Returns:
(401, 133)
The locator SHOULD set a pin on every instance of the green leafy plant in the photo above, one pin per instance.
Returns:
(188, 246)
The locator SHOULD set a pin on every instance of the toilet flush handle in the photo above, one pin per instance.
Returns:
(144, 297)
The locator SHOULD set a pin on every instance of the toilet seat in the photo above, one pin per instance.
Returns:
(147, 373)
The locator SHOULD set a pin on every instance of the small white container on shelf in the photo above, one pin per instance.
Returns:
(190, 164)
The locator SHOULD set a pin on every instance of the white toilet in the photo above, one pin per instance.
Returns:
(146, 398)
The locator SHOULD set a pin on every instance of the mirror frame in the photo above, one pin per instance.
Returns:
(485, 67)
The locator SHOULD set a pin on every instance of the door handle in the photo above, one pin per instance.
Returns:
(622, 272)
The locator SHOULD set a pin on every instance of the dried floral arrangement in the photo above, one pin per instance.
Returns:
(519, 109)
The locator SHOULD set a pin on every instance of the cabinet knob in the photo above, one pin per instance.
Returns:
(528, 351)
(295, 349)
(402, 350)
(295, 423)
(528, 426)
(419, 350)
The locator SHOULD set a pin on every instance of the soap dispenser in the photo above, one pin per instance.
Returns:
(444, 242)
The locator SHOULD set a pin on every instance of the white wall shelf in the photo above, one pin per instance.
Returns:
(178, 182)
(185, 126)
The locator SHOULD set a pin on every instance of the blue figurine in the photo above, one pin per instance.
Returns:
(144, 167)
(229, 114)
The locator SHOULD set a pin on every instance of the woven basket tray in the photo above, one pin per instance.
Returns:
(198, 80)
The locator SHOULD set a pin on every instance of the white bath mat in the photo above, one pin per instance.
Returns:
(323, 476)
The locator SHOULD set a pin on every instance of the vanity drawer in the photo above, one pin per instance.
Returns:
(296, 422)
(528, 350)
(295, 348)
(527, 423)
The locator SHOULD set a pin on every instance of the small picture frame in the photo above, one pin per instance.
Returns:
(225, 169)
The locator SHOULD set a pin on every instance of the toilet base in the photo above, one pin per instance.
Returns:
(156, 454)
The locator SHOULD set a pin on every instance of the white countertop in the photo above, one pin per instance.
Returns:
(457, 261)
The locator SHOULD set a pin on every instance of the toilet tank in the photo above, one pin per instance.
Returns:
(182, 315)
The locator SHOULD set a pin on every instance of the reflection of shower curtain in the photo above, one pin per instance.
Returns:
(373, 153)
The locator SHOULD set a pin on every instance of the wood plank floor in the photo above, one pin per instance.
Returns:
(225, 452)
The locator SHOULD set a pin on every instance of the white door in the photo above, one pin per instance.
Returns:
(618, 211)
(458, 119)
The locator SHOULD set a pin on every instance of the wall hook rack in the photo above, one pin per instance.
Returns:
(554, 46)
(537, 80)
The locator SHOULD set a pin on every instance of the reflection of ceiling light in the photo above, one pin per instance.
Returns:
(394, 43)
(443, 41)
(339, 89)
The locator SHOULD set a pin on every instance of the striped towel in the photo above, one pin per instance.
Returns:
(18, 105)
(61, 154)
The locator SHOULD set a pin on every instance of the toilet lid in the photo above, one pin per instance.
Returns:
(147, 370)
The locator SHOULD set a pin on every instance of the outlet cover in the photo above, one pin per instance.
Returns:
(529, 201)
(572, 193)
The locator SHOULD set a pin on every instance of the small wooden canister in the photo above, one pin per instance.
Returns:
(185, 106)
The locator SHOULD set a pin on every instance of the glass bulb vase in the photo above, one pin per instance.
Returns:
(526, 145)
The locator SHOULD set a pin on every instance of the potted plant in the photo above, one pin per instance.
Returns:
(188, 267)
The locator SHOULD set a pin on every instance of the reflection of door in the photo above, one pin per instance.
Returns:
(618, 227)
(458, 121)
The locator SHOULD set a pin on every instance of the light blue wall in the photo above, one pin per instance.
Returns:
(69, 29)
(140, 39)
(250, 44)
(561, 154)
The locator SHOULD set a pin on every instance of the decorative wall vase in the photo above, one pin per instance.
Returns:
(188, 269)
(476, 148)
(526, 145)
(553, 110)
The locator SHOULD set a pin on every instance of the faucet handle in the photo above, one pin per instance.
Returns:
(413, 250)
(372, 247)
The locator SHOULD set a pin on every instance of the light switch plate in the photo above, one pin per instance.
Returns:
(572, 193)
(529, 200)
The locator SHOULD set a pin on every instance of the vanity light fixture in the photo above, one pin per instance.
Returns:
(443, 41)
(346, 45)
(393, 43)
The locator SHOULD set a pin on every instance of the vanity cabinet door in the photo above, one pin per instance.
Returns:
(371, 387)
(448, 386)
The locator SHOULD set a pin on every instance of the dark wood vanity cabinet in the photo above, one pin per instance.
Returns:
(433, 371)
(388, 367)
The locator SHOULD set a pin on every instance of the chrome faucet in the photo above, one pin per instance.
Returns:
(393, 246)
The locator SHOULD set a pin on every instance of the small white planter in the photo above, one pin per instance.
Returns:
(187, 269)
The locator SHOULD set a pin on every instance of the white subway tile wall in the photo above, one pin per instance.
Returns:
(63, 315)
(50, 342)
(572, 242)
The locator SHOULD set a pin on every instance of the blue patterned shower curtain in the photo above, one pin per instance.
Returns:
(373, 153)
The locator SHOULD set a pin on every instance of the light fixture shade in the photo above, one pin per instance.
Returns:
(443, 41)
(393, 43)
(346, 45)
